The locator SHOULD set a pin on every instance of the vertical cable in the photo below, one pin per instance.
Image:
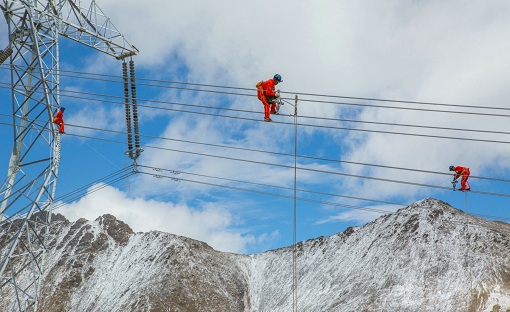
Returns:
(465, 193)
(294, 240)
(468, 250)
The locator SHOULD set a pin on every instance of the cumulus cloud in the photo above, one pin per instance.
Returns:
(210, 223)
(360, 216)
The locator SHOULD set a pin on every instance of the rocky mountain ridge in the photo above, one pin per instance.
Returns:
(425, 257)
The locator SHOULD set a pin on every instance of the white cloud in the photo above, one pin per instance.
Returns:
(86, 119)
(210, 223)
(360, 216)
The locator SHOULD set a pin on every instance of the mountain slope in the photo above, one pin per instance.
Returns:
(103, 266)
(426, 257)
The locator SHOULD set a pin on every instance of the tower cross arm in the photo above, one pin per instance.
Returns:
(90, 26)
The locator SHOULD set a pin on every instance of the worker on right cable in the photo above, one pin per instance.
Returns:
(464, 172)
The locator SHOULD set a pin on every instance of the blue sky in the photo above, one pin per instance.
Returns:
(435, 51)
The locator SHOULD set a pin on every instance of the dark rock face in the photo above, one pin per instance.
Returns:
(119, 231)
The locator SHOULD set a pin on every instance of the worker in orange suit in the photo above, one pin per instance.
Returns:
(464, 172)
(59, 119)
(267, 95)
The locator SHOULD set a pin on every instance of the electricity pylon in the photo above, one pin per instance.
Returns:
(27, 195)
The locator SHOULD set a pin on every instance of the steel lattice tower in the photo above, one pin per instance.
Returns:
(27, 195)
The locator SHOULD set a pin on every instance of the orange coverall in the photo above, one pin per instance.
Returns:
(59, 120)
(266, 93)
(464, 172)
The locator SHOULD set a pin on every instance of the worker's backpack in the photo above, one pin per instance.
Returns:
(259, 85)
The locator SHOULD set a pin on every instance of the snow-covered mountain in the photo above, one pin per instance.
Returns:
(426, 257)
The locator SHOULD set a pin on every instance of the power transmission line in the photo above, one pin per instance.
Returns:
(94, 187)
(127, 172)
(117, 79)
(110, 178)
(92, 76)
(158, 174)
(299, 168)
(311, 117)
(269, 152)
(257, 112)
(126, 175)
(353, 129)
(175, 172)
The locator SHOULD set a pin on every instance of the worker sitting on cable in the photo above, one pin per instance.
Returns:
(267, 95)
(464, 172)
(59, 119)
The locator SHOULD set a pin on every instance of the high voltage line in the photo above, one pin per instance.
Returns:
(101, 97)
(84, 190)
(176, 172)
(127, 172)
(97, 186)
(157, 174)
(270, 152)
(260, 151)
(90, 188)
(289, 92)
(310, 117)
(114, 177)
(298, 168)
(268, 193)
(253, 94)
(258, 112)
(320, 118)
(118, 79)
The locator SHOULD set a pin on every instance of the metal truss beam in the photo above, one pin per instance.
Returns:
(27, 194)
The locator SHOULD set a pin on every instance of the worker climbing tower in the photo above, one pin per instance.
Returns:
(26, 196)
